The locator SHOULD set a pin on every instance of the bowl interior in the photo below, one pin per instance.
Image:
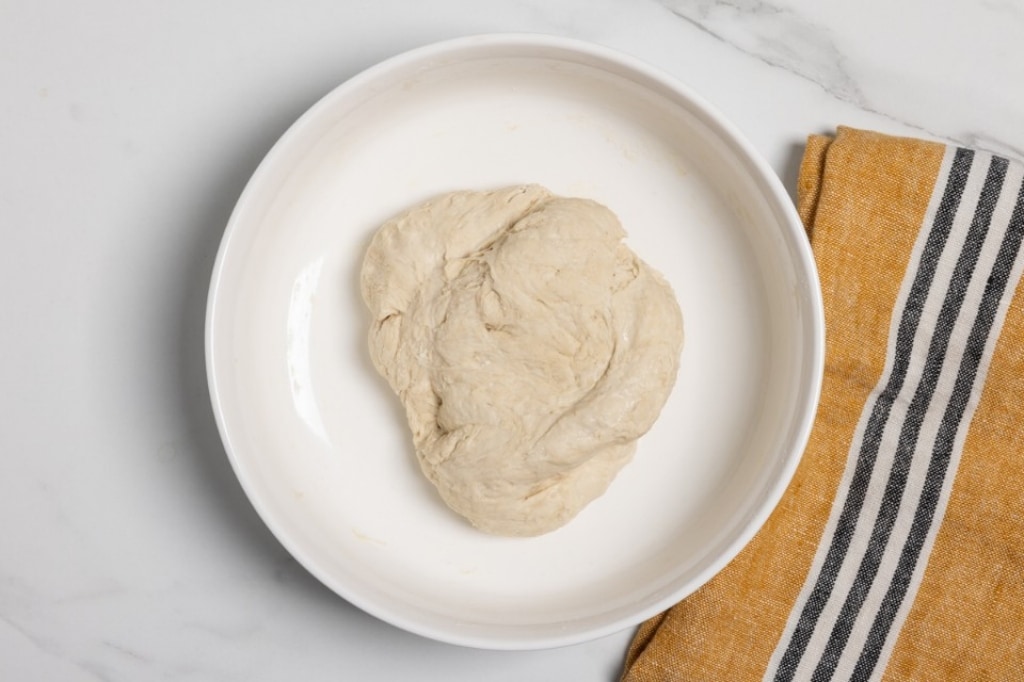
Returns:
(319, 442)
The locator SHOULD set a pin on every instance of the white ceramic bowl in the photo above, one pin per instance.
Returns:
(318, 440)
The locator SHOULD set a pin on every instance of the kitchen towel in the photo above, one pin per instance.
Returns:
(897, 552)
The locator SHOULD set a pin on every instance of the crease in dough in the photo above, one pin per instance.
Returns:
(529, 345)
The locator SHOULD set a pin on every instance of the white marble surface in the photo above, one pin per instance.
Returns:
(127, 131)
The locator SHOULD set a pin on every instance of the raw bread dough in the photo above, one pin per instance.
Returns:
(529, 345)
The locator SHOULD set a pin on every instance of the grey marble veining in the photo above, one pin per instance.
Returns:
(777, 36)
(842, 59)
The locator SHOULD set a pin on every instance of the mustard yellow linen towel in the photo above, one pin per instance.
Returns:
(897, 553)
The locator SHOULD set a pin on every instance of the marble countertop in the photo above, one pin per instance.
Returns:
(127, 132)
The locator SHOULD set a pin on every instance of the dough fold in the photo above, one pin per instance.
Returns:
(530, 347)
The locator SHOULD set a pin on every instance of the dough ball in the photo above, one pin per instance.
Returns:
(530, 347)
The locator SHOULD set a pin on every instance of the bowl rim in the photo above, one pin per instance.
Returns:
(765, 178)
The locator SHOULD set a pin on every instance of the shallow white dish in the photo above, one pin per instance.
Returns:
(318, 441)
